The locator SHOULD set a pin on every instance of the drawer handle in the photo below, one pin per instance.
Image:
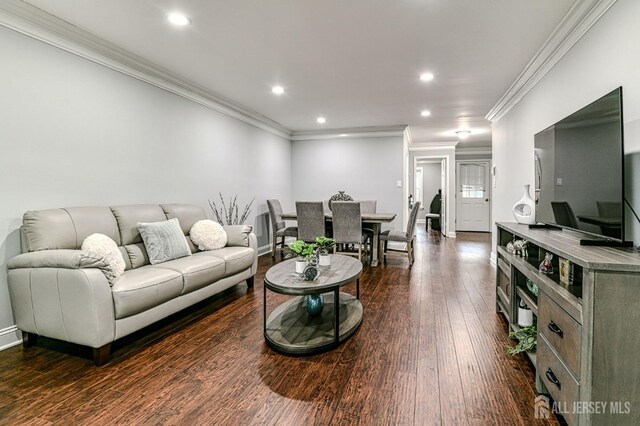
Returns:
(552, 378)
(555, 329)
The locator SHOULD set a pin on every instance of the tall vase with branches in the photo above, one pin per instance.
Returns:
(229, 215)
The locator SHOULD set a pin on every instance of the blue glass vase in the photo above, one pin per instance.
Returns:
(315, 304)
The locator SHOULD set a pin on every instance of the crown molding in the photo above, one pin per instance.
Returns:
(349, 133)
(481, 150)
(426, 146)
(33, 22)
(408, 136)
(577, 21)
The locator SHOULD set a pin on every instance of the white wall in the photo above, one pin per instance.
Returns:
(366, 168)
(450, 154)
(606, 57)
(75, 133)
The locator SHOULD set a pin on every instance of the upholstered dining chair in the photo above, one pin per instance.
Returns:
(407, 237)
(311, 222)
(347, 227)
(368, 206)
(279, 230)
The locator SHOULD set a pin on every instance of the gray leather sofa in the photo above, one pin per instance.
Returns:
(59, 291)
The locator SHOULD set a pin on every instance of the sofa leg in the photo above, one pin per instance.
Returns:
(101, 355)
(29, 339)
(250, 281)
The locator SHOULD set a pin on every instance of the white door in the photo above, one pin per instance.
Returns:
(443, 197)
(472, 198)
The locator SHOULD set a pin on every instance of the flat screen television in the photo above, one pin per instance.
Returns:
(579, 172)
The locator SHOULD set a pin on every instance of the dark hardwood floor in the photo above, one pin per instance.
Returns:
(430, 351)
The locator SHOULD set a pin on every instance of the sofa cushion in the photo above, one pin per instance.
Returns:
(164, 240)
(236, 259)
(48, 230)
(140, 289)
(129, 216)
(187, 214)
(197, 271)
(93, 220)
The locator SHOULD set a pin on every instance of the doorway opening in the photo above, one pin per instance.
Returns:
(430, 185)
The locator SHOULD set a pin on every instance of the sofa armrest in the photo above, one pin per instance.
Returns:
(237, 235)
(64, 259)
(69, 304)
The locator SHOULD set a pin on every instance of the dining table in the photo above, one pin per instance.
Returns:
(374, 220)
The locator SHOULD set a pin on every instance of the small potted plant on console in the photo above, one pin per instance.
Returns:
(325, 247)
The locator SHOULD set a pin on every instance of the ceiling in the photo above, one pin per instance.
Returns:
(355, 62)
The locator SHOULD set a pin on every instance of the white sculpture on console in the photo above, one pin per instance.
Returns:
(523, 209)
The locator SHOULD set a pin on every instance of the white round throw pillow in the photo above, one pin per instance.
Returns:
(208, 235)
(102, 246)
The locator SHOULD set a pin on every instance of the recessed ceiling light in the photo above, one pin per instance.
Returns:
(427, 76)
(178, 19)
(321, 120)
(425, 113)
(277, 90)
(343, 135)
(463, 134)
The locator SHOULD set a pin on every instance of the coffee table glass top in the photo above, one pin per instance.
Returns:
(282, 278)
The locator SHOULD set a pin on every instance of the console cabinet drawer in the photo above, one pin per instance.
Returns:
(561, 331)
(560, 383)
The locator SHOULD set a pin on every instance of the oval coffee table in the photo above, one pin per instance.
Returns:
(290, 329)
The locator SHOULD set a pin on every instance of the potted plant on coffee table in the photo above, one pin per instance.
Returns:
(325, 247)
(304, 252)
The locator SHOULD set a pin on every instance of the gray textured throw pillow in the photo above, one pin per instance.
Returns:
(164, 241)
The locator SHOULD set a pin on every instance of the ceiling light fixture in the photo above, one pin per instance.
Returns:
(321, 120)
(178, 19)
(425, 113)
(463, 134)
(343, 135)
(277, 90)
(427, 76)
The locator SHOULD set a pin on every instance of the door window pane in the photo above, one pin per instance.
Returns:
(472, 180)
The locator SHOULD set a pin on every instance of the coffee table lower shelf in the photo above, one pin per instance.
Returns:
(290, 329)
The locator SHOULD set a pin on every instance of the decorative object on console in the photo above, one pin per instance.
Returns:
(527, 340)
(104, 247)
(525, 315)
(229, 216)
(208, 235)
(325, 246)
(546, 267)
(315, 304)
(523, 209)
(520, 248)
(510, 248)
(164, 241)
(340, 196)
(566, 271)
(533, 287)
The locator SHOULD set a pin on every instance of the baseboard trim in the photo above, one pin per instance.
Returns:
(10, 337)
(264, 250)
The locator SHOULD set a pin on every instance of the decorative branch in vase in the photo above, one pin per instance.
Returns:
(230, 215)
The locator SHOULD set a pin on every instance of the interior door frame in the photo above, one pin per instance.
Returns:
(445, 191)
(488, 183)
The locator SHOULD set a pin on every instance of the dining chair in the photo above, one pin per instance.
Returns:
(407, 237)
(311, 222)
(368, 206)
(347, 227)
(279, 229)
